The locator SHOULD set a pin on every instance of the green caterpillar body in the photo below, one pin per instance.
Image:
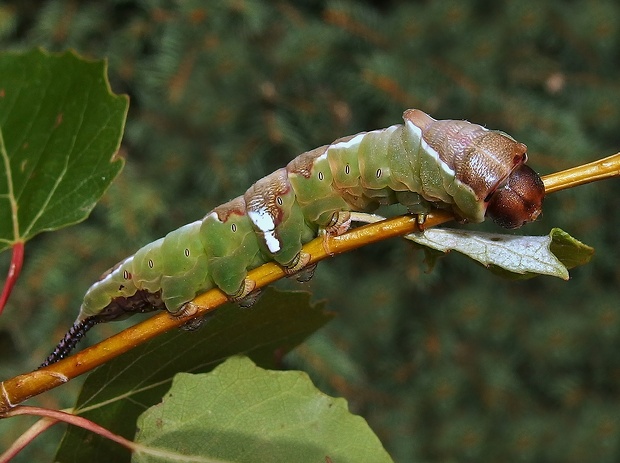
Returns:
(420, 164)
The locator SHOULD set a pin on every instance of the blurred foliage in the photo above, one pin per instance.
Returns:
(455, 365)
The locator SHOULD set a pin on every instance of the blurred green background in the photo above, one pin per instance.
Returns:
(452, 365)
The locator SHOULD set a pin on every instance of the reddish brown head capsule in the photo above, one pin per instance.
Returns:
(519, 200)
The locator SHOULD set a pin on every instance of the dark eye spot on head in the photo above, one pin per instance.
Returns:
(151, 264)
(186, 252)
(233, 227)
(321, 176)
(279, 200)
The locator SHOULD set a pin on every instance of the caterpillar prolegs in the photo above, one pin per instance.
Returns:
(421, 164)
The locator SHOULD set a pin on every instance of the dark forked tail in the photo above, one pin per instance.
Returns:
(70, 340)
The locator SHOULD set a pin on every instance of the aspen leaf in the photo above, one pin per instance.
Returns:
(60, 127)
(242, 413)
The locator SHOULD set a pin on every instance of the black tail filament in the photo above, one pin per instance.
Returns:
(70, 340)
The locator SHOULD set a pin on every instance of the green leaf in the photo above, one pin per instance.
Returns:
(115, 394)
(510, 255)
(569, 250)
(60, 126)
(242, 413)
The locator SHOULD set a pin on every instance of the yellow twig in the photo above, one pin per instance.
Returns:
(598, 170)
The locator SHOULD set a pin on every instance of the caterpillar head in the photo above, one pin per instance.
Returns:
(490, 162)
(518, 200)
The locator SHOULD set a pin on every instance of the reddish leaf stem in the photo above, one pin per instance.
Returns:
(26, 438)
(55, 416)
(17, 259)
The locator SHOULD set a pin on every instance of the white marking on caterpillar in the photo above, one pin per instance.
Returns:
(264, 221)
(429, 149)
(356, 140)
(414, 128)
(272, 241)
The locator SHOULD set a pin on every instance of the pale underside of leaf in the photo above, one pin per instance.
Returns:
(512, 254)
(517, 254)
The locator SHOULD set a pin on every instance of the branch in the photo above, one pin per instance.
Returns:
(602, 169)
(15, 390)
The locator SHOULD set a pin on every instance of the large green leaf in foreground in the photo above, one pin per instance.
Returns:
(60, 126)
(118, 392)
(242, 413)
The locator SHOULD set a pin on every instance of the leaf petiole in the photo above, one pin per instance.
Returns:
(15, 268)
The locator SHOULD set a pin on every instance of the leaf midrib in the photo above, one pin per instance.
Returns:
(10, 192)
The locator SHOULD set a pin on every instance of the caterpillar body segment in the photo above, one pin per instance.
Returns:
(186, 266)
(230, 243)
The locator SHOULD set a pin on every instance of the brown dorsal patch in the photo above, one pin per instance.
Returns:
(488, 162)
(234, 206)
(304, 163)
(265, 195)
(419, 118)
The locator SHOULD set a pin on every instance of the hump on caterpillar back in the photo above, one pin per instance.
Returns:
(419, 118)
(480, 158)
(490, 163)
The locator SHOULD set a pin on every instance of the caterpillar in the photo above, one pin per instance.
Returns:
(421, 164)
